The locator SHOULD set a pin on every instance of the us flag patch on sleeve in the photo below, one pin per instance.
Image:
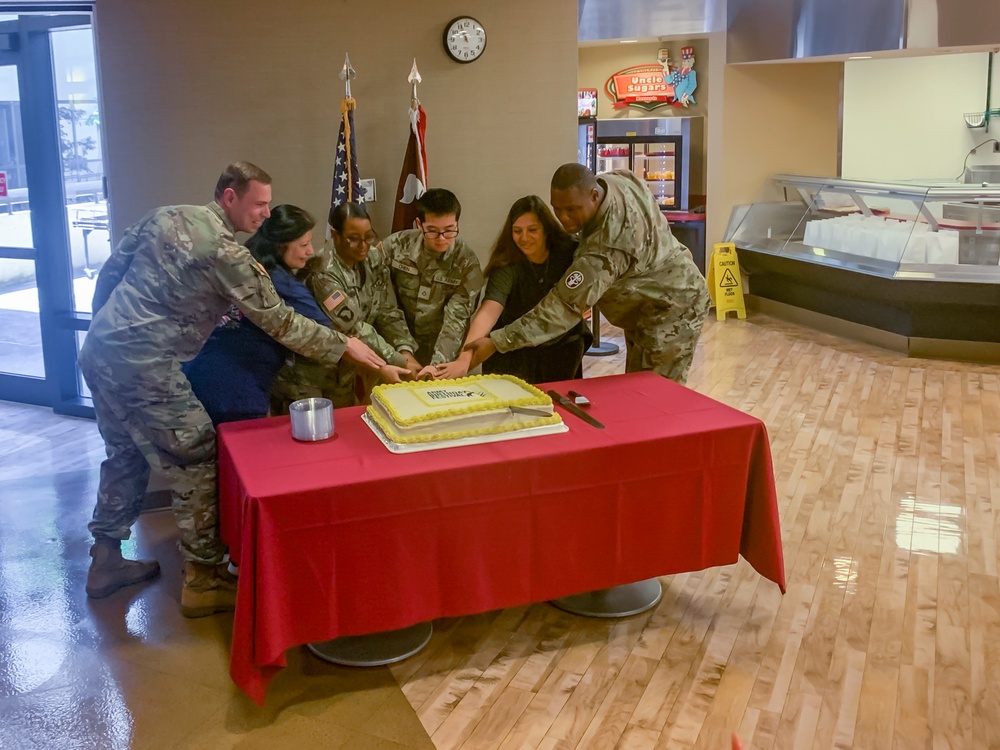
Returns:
(333, 300)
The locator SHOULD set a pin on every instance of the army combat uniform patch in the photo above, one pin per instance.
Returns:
(331, 302)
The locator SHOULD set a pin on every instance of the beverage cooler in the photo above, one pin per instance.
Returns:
(586, 144)
(657, 150)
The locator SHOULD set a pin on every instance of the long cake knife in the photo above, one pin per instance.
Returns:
(572, 408)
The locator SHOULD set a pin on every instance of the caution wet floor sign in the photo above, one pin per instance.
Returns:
(724, 281)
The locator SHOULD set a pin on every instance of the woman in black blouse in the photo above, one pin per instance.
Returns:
(531, 254)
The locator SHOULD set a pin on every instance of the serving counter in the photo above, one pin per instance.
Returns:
(920, 262)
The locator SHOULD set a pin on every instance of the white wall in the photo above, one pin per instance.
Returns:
(767, 118)
(903, 117)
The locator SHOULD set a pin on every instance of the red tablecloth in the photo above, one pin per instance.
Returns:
(344, 538)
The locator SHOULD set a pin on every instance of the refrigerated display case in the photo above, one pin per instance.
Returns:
(586, 143)
(656, 150)
(918, 260)
(900, 230)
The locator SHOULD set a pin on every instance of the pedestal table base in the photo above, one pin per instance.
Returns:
(376, 649)
(617, 601)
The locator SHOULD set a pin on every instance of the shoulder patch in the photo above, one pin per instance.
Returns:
(574, 280)
(331, 302)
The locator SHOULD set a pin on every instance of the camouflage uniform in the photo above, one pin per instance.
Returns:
(359, 302)
(437, 292)
(643, 278)
(164, 288)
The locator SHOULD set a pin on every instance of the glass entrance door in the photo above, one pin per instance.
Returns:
(53, 214)
(21, 361)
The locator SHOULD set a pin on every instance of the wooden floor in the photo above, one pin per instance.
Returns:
(888, 473)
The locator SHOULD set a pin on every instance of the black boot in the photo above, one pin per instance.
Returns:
(109, 571)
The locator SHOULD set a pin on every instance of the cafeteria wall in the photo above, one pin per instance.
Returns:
(904, 117)
(767, 118)
(189, 86)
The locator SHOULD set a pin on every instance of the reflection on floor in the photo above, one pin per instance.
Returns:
(888, 474)
(129, 671)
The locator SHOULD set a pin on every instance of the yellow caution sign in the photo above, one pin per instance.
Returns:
(724, 281)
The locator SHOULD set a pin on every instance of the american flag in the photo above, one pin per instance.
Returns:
(346, 179)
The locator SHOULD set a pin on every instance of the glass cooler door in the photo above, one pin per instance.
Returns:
(657, 164)
(611, 156)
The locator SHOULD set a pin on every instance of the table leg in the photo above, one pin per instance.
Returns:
(376, 649)
(617, 601)
(599, 348)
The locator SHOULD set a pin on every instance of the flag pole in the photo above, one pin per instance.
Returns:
(414, 78)
(413, 177)
(347, 74)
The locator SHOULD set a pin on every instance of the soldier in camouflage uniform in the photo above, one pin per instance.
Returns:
(436, 277)
(158, 297)
(350, 280)
(628, 261)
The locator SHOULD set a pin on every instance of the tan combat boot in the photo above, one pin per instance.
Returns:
(208, 589)
(109, 571)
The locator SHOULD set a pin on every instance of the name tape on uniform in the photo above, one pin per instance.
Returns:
(724, 281)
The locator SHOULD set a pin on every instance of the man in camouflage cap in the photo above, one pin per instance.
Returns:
(630, 263)
(436, 277)
(165, 287)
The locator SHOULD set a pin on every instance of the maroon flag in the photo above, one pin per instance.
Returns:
(413, 177)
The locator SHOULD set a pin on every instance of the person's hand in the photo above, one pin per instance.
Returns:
(393, 374)
(481, 349)
(451, 370)
(359, 352)
(427, 373)
(412, 365)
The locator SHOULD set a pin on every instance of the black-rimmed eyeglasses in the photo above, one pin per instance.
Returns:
(433, 234)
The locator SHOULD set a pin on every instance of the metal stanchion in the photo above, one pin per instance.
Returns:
(599, 348)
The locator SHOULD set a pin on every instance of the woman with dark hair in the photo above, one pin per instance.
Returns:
(232, 373)
(530, 255)
(350, 280)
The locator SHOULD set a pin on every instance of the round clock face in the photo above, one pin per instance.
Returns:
(464, 39)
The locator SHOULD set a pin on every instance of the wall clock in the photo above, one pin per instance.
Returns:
(464, 39)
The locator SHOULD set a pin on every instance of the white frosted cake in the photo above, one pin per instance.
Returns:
(479, 405)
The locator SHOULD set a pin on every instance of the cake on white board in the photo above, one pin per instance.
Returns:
(476, 407)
